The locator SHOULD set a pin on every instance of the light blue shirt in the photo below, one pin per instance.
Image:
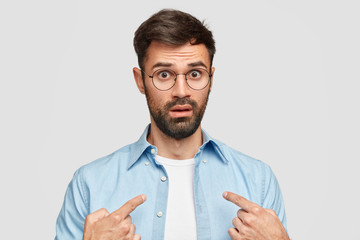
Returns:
(111, 181)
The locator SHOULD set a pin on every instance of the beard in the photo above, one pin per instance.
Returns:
(181, 127)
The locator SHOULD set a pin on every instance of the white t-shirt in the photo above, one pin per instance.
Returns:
(180, 214)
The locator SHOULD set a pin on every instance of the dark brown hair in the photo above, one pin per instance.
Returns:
(174, 28)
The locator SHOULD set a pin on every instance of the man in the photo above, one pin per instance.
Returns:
(176, 181)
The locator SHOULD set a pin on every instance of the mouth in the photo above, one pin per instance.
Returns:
(179, 111)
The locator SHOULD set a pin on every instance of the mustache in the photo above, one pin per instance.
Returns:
(180, 101)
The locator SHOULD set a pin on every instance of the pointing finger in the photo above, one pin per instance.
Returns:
(130, 206)
(239, 201)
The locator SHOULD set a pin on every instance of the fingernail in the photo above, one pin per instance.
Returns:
(225, 194)
(143, 197)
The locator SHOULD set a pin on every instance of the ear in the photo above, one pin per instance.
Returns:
(212, 76)
(138, 79)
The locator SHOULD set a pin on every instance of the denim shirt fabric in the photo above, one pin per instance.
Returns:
(111, 181)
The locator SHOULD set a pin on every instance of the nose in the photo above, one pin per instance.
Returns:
(181, 89)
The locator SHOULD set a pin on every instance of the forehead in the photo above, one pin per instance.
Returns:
(178, 56)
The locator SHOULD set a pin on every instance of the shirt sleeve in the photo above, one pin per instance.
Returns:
(271, 195)
(70, 222)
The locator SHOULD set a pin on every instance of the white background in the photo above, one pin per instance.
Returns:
(286, 91)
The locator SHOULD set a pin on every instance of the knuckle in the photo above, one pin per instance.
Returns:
(249, 220)
(256, 210)
(95, 216)
(272, 212)
(127, 220)
(124, 228)
(246, 219)
(133, 226)
(115, 218)
(102, 210)
(90, 219)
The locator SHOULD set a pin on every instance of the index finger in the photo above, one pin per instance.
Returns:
(239, 201)
(130, 206)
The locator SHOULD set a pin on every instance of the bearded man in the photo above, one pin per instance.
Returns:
(176, 181)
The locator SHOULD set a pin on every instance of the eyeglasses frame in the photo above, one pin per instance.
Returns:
(177, 74)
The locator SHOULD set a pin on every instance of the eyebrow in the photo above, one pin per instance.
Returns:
(161, 64)
(197, 64)
(164, 64)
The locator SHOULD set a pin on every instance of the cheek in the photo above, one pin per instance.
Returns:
(157, 99)
(202, 98)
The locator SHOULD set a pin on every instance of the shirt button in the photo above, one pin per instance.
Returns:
(163, 178)
(204, 161)
(147, 163)
(159, 214)
(153, 151)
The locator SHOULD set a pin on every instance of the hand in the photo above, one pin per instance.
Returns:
(101, 225)
(254, 222)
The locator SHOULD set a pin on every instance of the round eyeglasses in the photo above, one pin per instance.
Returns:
(164, 79)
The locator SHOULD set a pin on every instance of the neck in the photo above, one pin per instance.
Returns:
(169, 147)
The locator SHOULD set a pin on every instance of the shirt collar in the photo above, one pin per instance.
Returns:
(139, 147)
(218, 146)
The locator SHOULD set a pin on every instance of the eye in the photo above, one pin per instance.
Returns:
(194, 74)
(164, 75)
